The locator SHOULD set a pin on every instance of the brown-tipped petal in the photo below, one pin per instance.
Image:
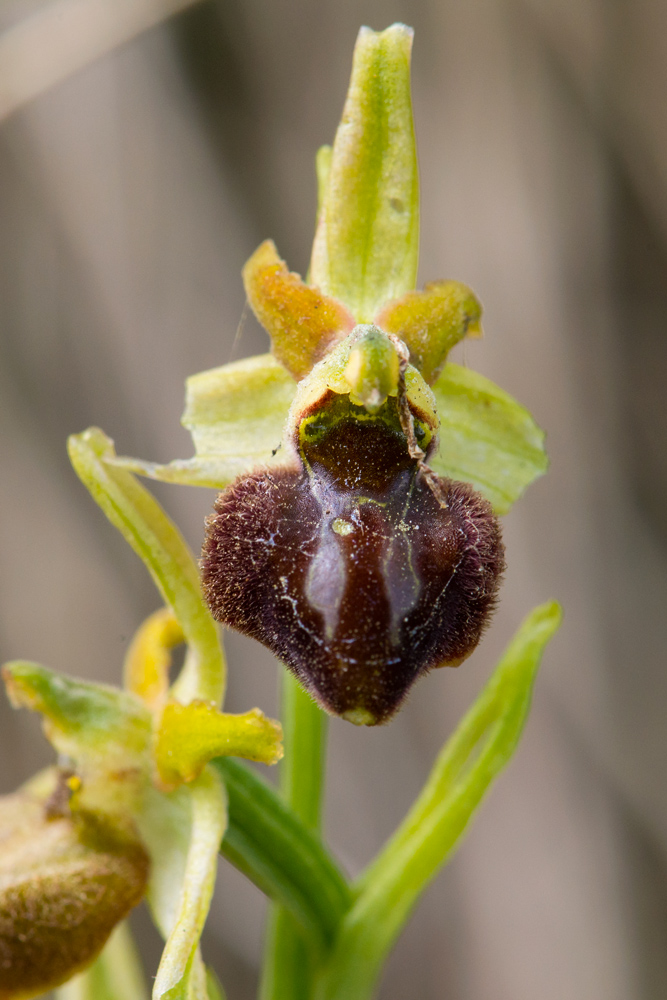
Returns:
(431, 322)
(303, 323)
(65, 882)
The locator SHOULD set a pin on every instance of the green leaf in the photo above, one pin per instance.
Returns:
(465, 769)
(268, 843)
(486, 437)
(367, 240)
(180, 904)
(236, 415)
(214, 986)
(157, 541)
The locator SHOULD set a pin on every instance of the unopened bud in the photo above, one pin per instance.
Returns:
(66, 880)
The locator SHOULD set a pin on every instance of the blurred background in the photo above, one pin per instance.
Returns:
(146, 148)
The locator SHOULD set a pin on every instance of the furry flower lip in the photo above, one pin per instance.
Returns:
(354, 563)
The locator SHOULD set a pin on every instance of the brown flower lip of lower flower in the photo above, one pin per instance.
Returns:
(350, 568)
(65, 882)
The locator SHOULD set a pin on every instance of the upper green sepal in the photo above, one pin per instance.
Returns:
(367, 239)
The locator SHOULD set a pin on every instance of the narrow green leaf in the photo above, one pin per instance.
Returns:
(157, 541)
(268, 843)
(367, 239)
(236, 415)
(479, 749)
(214, 986)
(486, 437)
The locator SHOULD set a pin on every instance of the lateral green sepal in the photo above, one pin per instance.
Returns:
(235, 414)
(486, 437)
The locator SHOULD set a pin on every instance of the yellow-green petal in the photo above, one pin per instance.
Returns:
(367, 239)
(303, 324)
(146, 667)
(486, 437)
(431, 322)
(190, 735)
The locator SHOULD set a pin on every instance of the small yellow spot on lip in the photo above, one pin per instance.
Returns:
(359, 717)
(342, 527)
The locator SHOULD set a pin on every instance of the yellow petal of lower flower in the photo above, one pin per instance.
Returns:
(148, 659)
(191, 735)
(303, 323)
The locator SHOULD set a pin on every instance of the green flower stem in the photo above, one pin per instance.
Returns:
(157, 541)
(288, 862)
(116, 974)
(302, 771)
(288, 972)
(465, 769)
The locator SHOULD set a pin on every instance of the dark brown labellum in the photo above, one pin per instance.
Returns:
(357, 567)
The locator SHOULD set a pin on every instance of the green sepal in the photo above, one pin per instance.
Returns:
(156, 540)
(91, 723)
(183, 831)
(188, 736)
(486, 437)
(367, 239)
(235, 414)
(480, 748)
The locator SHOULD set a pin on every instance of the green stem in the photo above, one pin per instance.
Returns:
(287, 973)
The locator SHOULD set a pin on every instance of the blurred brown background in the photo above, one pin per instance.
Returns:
(132, 192)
